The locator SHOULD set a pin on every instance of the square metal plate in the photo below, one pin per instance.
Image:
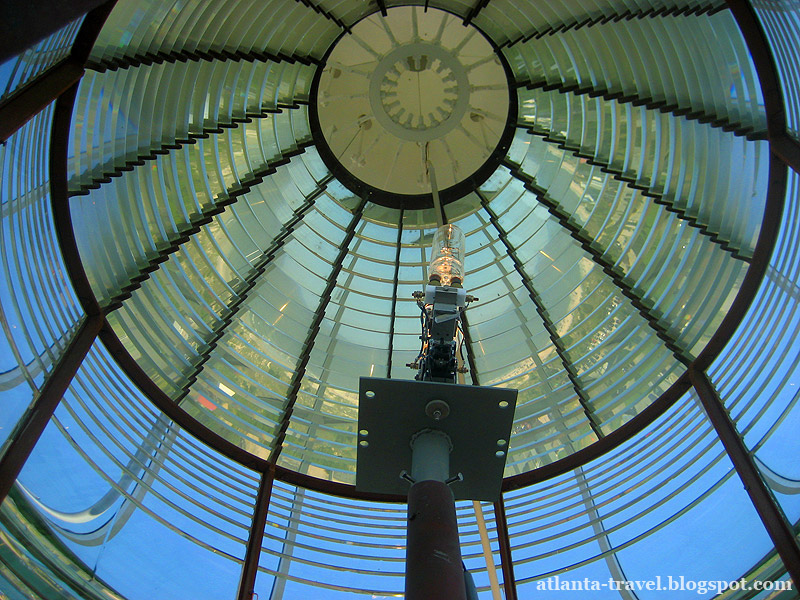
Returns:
(390, 411)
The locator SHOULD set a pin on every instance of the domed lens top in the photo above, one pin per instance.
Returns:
(409, 91)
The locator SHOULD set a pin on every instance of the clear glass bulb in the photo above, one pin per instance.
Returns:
(447, 257)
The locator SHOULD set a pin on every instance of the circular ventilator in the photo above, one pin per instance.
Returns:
(408, 92)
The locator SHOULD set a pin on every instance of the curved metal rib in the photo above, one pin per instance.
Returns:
(558, 344)
(313, 330)
(200, 220)
(609, 269)
(243, 290)
(627, 15)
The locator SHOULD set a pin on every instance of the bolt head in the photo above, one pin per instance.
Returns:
(437, 409)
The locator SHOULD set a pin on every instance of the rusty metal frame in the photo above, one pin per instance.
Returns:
(33, 97)
(247, 581)
(767, 507)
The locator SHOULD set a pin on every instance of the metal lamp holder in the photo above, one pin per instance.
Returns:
(447, 441)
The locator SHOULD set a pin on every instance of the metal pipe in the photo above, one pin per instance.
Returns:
(434, 568)
(247, 579)
(437, 205)
(487, 550)
(430, 456)
(767, 507)
(506, 560)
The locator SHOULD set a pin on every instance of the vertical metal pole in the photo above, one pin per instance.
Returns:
(765, 504)
(30, 428)
(487, 550)
(434, 569)
(247, 583)
(29, 100)
(509, 582)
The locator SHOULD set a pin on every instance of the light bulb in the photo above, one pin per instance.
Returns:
(447, 257)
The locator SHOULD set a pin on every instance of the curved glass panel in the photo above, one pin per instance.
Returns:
(21, 70)
(592, 245)
(38, 308)
(763, 400)
(781, 23)
(110, 474)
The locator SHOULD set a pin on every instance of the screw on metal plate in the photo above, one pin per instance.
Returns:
(404, 475)
(455, 478)
(437, 409)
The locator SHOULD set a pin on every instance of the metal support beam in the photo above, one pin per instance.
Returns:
(613, 272)
(506, 560)
(247, 582)
(313, 330)
(541, 309)
(21, 106)
(395, 284)
(770, 512)
(629, 15)
(29, 429)
(661, 105)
